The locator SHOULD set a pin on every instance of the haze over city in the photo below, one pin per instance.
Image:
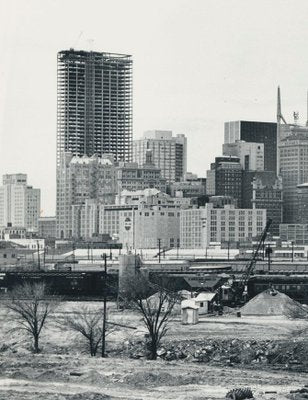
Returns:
(197, 64)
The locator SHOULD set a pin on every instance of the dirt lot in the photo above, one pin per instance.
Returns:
(64, 371)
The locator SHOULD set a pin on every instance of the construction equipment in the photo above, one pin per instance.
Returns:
(239, 288)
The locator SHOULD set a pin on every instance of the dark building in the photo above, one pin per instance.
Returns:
(225, 178)
(263, 190)
(257, 132)
(94, 112)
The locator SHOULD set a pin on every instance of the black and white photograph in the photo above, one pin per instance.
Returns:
(153, 200)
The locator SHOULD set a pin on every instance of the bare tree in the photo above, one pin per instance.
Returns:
(90, 324)
(155, 304)
(30, 307)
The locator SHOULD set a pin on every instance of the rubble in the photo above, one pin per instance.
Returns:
(286, 354)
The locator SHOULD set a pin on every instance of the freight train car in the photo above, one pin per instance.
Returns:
(64, 283)
(295, 286)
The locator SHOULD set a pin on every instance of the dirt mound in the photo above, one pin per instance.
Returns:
(93, 377)
(89, 396)
(157, 379)
(19, 375)
(271, 302)
(52, 375)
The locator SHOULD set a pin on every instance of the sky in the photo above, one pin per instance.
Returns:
(197, 64)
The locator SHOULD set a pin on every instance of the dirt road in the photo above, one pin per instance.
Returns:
(84, 378)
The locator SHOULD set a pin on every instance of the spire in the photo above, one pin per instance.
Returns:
(307, 109)
(279, 114)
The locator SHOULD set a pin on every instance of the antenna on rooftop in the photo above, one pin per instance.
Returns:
(296, 117)
(77, 40)
(90, 44)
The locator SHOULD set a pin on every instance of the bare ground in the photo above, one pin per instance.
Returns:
(64, 371)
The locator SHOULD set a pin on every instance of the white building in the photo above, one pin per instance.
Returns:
(251, 154)
(169, 153)
(200, 226)
(137, 220)
(19, 203)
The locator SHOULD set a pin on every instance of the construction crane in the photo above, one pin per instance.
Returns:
(239, 288)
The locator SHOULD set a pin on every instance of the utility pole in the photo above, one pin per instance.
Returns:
(228, 250)
(159, 240)
(105, 308)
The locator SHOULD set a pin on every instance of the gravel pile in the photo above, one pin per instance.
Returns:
(273, 303)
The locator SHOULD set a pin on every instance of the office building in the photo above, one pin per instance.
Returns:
(169, 153)
(302, 204)
(201, 226)
(47, 227)
(131, 176)
(94, 104)
(225, 178)
(293, 158)
(251, 155)
(255, 132)
(19, 203)
(296, 233)
(80, 179)
(191, 186)
(263, 190)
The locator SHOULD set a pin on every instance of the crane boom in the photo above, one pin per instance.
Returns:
(250, 266)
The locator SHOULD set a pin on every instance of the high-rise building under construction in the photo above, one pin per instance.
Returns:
(94, 104)
(94, 118)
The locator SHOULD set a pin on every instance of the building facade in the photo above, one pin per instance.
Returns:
(131, 176)
(20, 204)
(225, 178)
(256, 132)
(137, 219)
(263, 190)
(190, 186)
(94, 114)
(80, 179)
(47, 227)
(169, 153)
(201, 226)
(251, 155)
(302, 203)
(148, 225)
(296, 233)
(293, 158)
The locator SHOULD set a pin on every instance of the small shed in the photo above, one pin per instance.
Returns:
(189, 312)
(205, 301)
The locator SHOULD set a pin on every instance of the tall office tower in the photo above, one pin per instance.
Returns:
(169, 153)
(263, 190)
(293, 159)
(19, 203)
(302, 203)
(94, 104)
(225, 178)
(256, 132)
(251, 155)
(80, 179)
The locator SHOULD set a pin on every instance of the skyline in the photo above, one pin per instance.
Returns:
(235, 55)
